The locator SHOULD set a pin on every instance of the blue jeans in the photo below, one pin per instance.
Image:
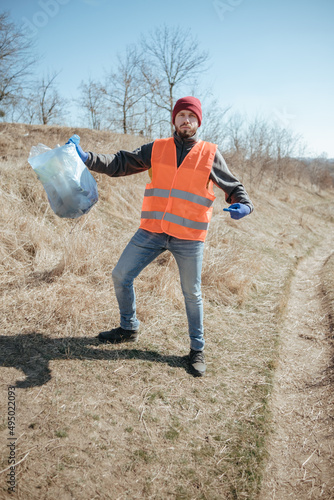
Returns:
(142, 249)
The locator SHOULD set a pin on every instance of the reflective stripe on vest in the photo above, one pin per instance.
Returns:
(176, 219)
(194, 198)
(178, 201)
(178, 193)
(163, 193)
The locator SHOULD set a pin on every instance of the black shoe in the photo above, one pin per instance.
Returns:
(197, 363)
(117, 335)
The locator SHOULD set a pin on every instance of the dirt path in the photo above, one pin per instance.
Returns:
(301, 452)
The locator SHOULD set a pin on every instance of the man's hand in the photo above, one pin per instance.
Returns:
(75, 139)
(238, 210)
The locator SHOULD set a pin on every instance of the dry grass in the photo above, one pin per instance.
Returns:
(328, 287)
(126, 422)
(327, 277)
(301, 444)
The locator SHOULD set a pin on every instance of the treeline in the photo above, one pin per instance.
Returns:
(265, 153)
(137, 95)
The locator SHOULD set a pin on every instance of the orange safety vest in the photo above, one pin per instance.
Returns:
(178, 201)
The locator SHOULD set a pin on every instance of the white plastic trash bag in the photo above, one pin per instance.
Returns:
(70, 187)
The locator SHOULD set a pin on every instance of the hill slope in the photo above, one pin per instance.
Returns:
(130, 422)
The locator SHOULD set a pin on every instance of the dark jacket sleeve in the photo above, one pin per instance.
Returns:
(122, 163)
(225, 180)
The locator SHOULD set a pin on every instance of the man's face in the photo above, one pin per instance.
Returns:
(186, 123)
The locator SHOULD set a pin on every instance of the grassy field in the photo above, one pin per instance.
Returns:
(128, 421)
(328, 284)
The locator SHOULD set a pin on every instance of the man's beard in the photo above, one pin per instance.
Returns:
(185, 133)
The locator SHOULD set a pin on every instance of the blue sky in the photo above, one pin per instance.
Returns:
(267, 57)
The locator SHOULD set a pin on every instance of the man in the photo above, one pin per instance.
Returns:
(175, 216)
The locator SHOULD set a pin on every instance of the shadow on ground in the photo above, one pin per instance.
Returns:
(32, 352)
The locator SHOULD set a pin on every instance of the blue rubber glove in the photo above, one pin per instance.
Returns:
(76, 139)
(238, 210)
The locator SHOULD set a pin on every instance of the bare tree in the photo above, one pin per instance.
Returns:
(92, 101)
(283, 147)
(261, 149)
(25, 108)
(214, 123)
(236, 133)
(50, 103)
(171, 59)
(124, 89)
(319, 173)
(258, 146)
(16, 60)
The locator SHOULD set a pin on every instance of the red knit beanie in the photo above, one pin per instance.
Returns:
(191, 104)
